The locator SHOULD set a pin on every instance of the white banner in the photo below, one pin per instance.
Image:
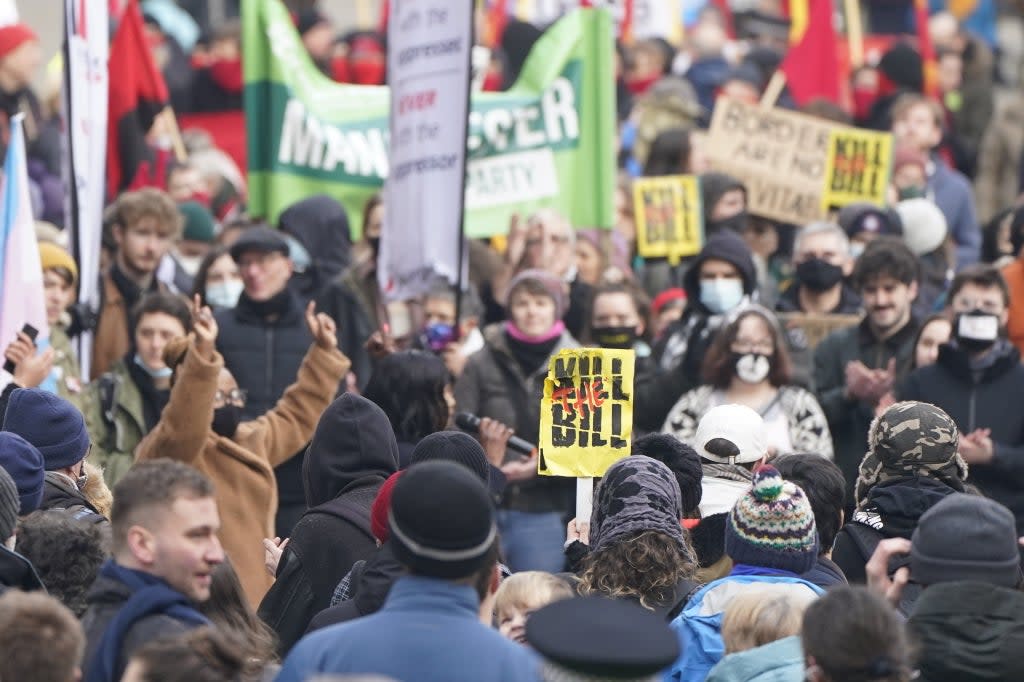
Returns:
(429, 46)
(87, 37)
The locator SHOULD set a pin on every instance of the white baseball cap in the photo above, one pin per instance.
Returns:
(737, 424)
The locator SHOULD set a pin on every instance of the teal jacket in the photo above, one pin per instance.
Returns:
(779, 661)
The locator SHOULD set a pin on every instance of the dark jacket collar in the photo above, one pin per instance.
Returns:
(956, 360)
(866, 336)
(16, 571)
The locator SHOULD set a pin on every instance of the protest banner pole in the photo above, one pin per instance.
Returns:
(854, 33)
(584, 499)
(180, 153)
(460, 274)
(773, 89)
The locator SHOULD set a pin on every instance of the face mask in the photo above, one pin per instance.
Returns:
(224, 294)
(226, 420)
(736, 223)
(818, 275)
(162, 373)
(614, 337)
(751, 368)
(721, 295)
(437, 336)
(856, 249)
(913, 193)
(976, 331)
(189, 264)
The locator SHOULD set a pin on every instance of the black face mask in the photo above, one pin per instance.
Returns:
(976, 331)
(818, 275)
(226, 420)
(614, 337)
(736, 223)
(374, 243)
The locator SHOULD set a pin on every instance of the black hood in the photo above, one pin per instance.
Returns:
(353, 447)
(894, 507)
(320, 224)
(713, 186)
(727, 246)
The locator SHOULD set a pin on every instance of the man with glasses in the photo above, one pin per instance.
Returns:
(263, 340)
(977, 379)
(144, 225)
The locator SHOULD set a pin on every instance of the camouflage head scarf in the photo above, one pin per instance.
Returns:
(637, 494)
(911, 439)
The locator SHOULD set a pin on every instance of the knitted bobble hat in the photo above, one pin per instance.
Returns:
(772, 525)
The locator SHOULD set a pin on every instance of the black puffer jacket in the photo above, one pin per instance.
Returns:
(687, 340)
(969, 632)
(353, 452)
(984, 398)
(264, 356)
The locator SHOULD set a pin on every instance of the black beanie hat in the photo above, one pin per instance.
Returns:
(708, 539)
(680, 458)
(453, 446)
(966, 537)
(902, 65)
(441, 520)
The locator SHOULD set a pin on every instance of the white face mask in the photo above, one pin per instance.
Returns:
(752, 368)
(224, 294)
(190, 264)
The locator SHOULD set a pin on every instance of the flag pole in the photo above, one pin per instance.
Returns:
(774, 89)
(854, 33)
(180, 153)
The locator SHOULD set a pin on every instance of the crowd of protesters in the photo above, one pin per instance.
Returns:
(262, 477)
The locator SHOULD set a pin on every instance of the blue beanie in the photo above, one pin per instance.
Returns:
(24, 463)
(50, 423)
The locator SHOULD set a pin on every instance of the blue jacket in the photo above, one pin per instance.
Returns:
(779, 661)
(427, 631)
(699, 626)
(951, 192)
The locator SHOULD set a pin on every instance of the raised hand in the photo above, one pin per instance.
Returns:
(380, 345)
(322, 327)
(205, 328)
(31, 371)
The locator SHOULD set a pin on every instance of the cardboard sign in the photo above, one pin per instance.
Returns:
(586, 414)
(859, 166)
(780, 156)
(669, 218)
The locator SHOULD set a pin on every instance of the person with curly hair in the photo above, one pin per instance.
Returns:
(639, 550)
(67, 554)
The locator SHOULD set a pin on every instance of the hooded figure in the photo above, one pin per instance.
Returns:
(912, 464)
(352, 453)
(320, 226)
(688, 339)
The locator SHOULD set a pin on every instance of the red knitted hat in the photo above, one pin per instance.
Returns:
(13, 35)
(379, 509)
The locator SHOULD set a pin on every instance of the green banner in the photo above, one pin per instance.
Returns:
(548, 142)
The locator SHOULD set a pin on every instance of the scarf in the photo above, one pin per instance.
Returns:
(150, 596)
(529, 353)
(730, 472)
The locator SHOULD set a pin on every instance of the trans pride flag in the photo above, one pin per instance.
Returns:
(21, 275)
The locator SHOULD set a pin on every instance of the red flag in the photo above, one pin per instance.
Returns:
(137, 94)
(924, 45)
(811, 64)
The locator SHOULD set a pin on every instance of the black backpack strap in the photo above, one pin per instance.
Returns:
(109, 390)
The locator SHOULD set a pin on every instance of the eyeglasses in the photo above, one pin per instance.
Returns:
(235, 396)
(747, 346)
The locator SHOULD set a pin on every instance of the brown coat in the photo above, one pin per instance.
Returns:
(112, 339)
(242, 468)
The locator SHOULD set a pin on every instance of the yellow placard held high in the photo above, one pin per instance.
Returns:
(586, 414)
(858, 167)
(669, 217)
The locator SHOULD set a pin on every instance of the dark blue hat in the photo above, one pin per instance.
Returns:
(50, 423)
(24, 463)
(604, 638)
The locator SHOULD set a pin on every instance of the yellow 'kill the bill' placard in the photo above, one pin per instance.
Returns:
(669, 217)
(858, 168)
(586, 414)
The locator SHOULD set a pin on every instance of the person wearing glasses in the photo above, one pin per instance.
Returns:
(203, 426)
(747, 364)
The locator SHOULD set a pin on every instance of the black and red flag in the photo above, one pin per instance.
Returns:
(137, 94)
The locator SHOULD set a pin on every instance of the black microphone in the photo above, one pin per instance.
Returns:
(471, 422)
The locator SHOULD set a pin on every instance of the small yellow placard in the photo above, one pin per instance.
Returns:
(669, 218)
(858, 168)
